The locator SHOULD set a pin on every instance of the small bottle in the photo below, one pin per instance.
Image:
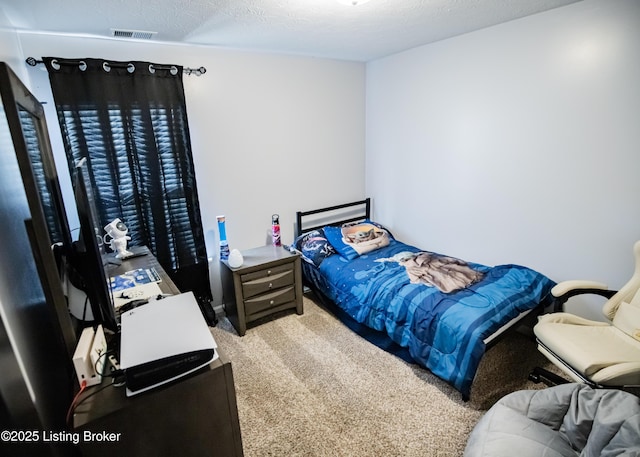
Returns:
(275, 230)
(224, 245)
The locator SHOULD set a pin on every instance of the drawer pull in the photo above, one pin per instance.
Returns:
(271, 302)
(268, 272)
(270, 285)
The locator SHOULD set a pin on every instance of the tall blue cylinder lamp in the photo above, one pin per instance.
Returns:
(224, 244)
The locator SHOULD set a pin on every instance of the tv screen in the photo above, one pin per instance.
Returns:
(90, 253)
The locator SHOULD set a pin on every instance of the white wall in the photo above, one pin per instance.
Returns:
(519, 143)
(270, 133)
(10, 51)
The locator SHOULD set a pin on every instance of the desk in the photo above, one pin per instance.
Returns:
(145, 261)
(167, 286)
(194, 416)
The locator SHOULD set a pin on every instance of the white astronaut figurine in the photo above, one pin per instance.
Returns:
(118, 233)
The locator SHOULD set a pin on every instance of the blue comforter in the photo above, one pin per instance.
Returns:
(443, 331)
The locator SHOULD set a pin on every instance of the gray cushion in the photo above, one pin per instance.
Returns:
(566, 420)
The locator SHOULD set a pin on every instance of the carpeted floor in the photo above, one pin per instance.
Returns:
(308, 386)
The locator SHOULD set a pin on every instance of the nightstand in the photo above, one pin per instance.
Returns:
(269, 281)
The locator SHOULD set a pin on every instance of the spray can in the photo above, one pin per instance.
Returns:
(224, 244)
(275, 230)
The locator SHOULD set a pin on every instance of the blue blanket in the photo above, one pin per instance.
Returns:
(443, 331)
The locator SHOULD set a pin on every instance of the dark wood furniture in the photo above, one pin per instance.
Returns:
(269, 281)
(193, 416)
(147, 260)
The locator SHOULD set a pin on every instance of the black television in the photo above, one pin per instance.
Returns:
(90, 258)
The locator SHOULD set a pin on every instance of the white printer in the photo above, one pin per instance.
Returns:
(164, 340)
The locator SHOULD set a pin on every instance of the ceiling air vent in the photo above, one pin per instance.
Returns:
(138, 34)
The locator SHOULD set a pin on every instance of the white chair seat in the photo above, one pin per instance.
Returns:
(595, 352)
(601, 352)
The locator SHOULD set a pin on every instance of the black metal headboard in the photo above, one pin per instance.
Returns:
(333, 215)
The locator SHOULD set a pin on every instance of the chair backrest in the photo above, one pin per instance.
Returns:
(628, 291)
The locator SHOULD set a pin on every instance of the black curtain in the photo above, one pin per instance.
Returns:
(129, 120)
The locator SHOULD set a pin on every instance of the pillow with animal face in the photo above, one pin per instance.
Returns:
(354, 240)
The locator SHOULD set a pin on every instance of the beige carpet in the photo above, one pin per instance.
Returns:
(308, 386)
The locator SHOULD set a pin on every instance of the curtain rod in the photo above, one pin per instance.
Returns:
(187, 71)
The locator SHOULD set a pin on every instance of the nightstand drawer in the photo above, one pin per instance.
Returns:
(267, 280)
(267, 301)
(272, 271)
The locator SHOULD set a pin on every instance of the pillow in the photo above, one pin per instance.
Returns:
(380, 226)
(627, 319)
(353, 240)
(314, 247)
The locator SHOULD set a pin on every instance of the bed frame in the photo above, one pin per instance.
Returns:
(333, 215)
(360, 210)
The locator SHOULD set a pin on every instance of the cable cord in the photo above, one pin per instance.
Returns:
(113, 373)
(77, 401)
(74, 402)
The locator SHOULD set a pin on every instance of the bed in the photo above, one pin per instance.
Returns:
(437, 311)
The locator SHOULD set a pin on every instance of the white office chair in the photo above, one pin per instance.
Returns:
(593, 352)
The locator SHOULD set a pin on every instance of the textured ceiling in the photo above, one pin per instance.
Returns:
(322, 28)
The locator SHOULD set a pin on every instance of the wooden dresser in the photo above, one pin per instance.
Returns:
(269, 281)
(193, 416)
